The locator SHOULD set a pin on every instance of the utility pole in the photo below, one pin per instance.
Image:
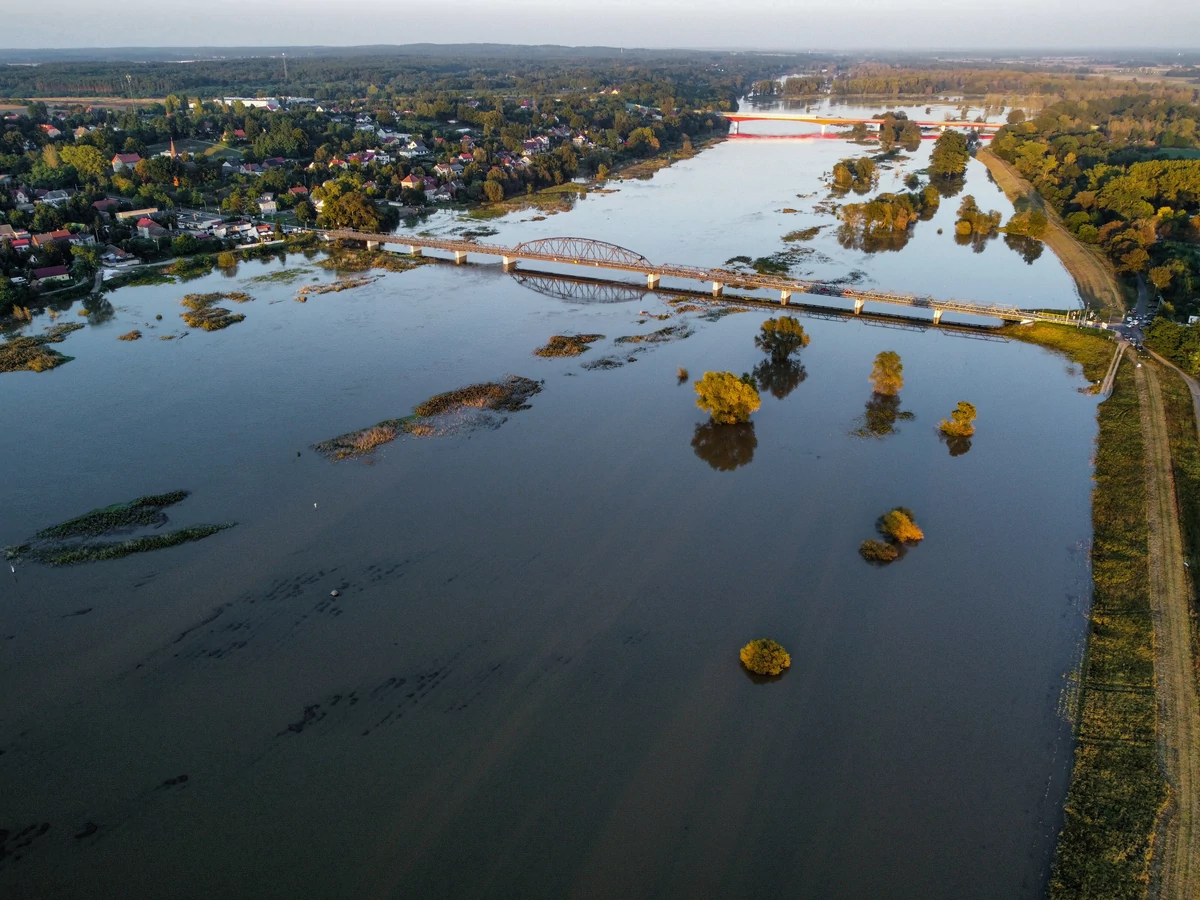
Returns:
(285, 78)
(129, 84)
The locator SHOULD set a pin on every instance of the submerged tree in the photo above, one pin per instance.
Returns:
(961, 423)
(900, 525)
(726, 398)
(887, 376)
(950, 155)
(765, 657)
(725, 447)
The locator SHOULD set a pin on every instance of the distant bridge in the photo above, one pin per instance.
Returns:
(839, 121)
(600, 254)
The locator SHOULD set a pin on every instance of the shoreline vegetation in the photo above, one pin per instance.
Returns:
(203, 311)
(1117, 790)
(1094, 276)
(90, 537)
(31, 353)
(439, 415)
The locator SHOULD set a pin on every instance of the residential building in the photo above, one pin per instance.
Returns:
(122, 161)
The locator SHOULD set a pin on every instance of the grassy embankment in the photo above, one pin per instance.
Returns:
(1185, 459)
(1093, 274)
(1117, 786)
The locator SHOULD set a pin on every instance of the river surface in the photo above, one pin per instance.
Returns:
(529, 683)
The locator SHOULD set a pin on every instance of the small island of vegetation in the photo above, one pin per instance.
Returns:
(898, 528)
(30, 353)
(765, 657)
(567, 345)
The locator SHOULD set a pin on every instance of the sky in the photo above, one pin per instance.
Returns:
(748, 24)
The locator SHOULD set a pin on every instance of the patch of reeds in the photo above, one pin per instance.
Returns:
(662, 336)
(282, 276)
(333, 287)
(604, 362)
(433, 417)
(136, 279)
(139, 512)
(104, 550)
(134, 335)
(189, 267)
(567, 345)
(32, 353)
(81, 539)
(803, 234)
(346, 259)
(204, 313)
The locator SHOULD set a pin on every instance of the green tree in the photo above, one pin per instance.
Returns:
(726, 398)
(353, 210)
(961, 423)
(87, 160)
(887, 375)
(305, 214)
(493, 190)
(950, 155)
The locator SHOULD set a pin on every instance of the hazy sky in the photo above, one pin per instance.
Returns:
(766, 24)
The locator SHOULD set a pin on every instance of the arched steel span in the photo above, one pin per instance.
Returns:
(580, 291)
(581, 250)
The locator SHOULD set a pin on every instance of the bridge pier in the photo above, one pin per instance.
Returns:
(937, 316)
(509, 263)
(858, 306)
(652, 280)
(372, 245)
(460, 256)
(414, 250)
(735, 126)
(823, 127)
(784, 296)
(718, 289)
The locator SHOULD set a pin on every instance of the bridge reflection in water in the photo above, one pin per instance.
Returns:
(574, 251)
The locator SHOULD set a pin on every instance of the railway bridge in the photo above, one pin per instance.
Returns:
(841, 122)
(575, 251)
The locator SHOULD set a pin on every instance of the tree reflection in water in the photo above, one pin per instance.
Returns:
(725, 447)
(957, 445)
(1029, 249)
(779, 377)
(882, 413)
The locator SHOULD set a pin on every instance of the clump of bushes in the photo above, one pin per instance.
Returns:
(567, 345)
(134, 335)
(898, 527)
(31, 353)
(961, 423)
(879, 551)
(335, 287)
(726, 398)
(765, 657)
(360, 443)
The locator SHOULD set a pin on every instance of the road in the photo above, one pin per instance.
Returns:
(1174, 674)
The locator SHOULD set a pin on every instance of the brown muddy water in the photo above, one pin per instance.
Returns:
(528, 684)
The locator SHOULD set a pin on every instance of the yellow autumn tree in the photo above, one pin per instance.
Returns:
(900, 526)
(726, 398)
(765, 657)
(961, 423)
(887, 376)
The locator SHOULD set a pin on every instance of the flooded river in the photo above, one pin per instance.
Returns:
(528, 684)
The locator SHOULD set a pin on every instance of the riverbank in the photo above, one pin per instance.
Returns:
(1094, 276)
(1131, 811)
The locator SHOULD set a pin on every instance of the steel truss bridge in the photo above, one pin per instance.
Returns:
(575, 251)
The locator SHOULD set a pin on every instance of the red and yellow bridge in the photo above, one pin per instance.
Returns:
(843, 122)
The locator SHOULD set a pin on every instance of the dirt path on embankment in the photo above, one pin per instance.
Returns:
(1174, 676)
(1094, 277)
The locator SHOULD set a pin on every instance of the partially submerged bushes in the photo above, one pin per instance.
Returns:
(428, 419)
(567, 345)
(726, 398)
(204, 313)
(31, 353)
(662, 336)
(898, 527)
(347, 259)
(134, 335)
(333, 287)
(81, 539)
(765, 657)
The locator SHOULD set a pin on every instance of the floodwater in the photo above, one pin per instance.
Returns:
(528, 685)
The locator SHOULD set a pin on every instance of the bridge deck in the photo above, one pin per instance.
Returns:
(627, 261)
(752, 116)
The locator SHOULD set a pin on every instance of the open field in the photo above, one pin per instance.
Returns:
(107, 102)
(1094, 276)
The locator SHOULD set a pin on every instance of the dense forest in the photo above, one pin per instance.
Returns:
(1124, 174)
(694, 78)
